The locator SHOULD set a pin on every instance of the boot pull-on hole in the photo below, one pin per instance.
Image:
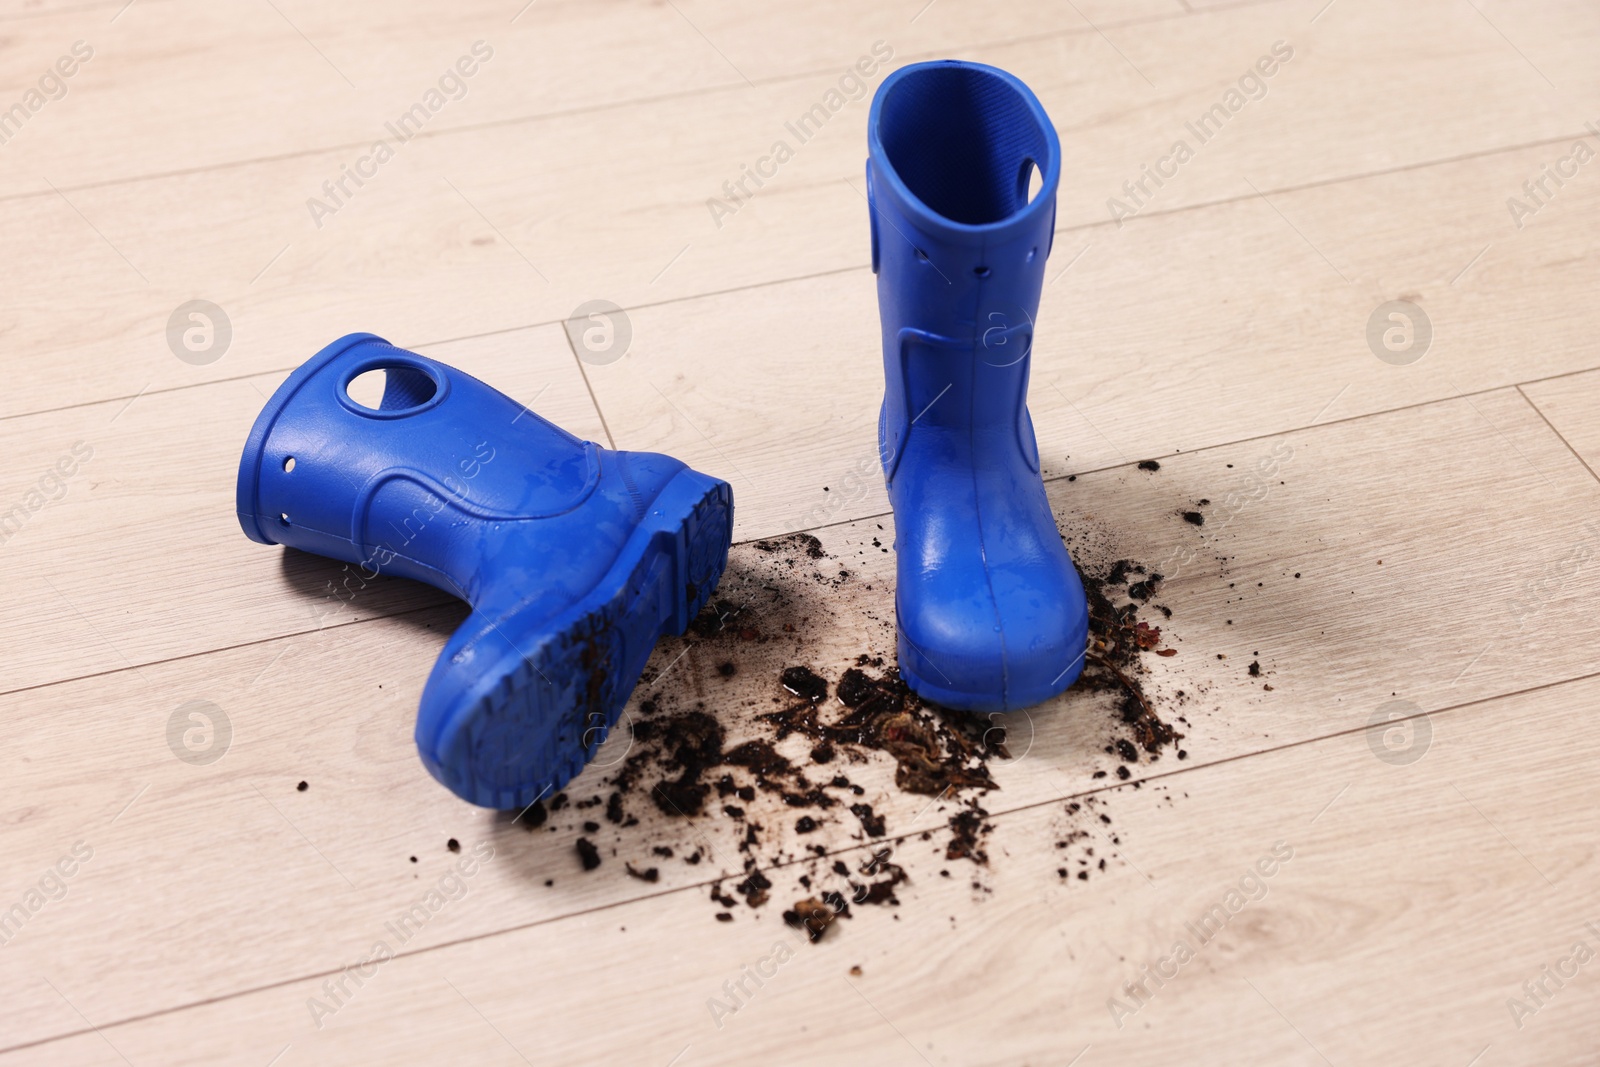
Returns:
(982, 272)
(288, 464)
(367, 388)
(1029, 182)
(923, 256)
(284, 518)
(394, 390)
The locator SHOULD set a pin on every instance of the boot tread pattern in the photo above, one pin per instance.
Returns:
(556, 705)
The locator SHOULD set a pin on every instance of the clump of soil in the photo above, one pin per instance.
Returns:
(1116, 638)
(762, 764)
(967, 834)
(935, 750)
(686, 766)
(815, 914)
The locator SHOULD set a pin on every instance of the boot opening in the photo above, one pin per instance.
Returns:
(965, 142)
(391, 389)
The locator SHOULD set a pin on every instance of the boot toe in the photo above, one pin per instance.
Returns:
(992, 639)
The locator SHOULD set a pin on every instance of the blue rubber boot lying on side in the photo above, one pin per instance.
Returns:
(575, 558)
(991, 612)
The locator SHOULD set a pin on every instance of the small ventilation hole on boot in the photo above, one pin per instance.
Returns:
(392, 390)
(1032, 252)
(284, 518)
(288, 464)
(982, 272)
(922, 255)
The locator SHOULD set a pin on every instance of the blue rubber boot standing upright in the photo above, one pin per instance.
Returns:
(575, 558)
(991, 611)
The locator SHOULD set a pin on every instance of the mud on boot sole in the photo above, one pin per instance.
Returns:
(563, 684)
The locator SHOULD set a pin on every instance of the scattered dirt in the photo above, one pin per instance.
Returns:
(967, 833)
(775, 772)
(1117, 637)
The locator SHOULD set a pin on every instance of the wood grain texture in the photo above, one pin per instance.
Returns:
(293, 77)
(334, 703)
(26, 9)
(522, 223)
(153, 511)
(1572, 406)
(1424, 539)
(1133, 359)
(1414, 903)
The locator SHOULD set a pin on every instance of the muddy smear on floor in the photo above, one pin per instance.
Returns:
(751, 758)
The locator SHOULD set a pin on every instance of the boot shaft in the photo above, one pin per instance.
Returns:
(399, 489)
(959, 251)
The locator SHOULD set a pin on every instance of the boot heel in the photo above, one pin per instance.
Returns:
(563, 683)
(697, 512)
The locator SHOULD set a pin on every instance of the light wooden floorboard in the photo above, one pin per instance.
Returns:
(27, 9)
(1129, 363)
(340, 73)
(1133, 358)
(100, 270)
(1416, 902)
(1572, 406)
(1433, 624)
(1226, 321)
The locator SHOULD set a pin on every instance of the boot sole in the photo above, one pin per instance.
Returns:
(557, 701)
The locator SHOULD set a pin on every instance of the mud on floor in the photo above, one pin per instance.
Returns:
(771, 760)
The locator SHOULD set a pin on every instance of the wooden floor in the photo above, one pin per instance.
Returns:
(1430, 550)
